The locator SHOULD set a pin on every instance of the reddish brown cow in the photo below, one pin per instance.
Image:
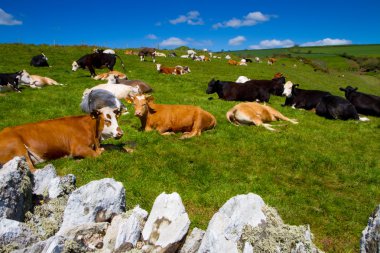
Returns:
(168, 119)
(76, 136)
(233, 62)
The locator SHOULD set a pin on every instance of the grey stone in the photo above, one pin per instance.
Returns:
(370, 241)
(15, 189)
(193, 241)
(14, 235)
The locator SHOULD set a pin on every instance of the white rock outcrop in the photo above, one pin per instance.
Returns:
(226, 226)
(370, 241)
(15, 189)
(95, 202)
(193, 241)
(14, 234)
(167, 224)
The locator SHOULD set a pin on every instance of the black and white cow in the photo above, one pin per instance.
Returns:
(299, 98)
(146, 51)
(14, 79)
(98, 99)
(39, 61)
(366, 104)
(95, 60)
(334, 107)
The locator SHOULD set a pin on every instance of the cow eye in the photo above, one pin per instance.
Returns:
(107, 123)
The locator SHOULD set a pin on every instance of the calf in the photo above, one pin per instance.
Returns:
(14, 79)
(366, 104)
(96, 60)
(252, 113)
(39, 61)
(299, 98)
(104, 76)
(168, 119)
(146, 51)
(232, 91)
(98, 99)
(334, 107)
(75, 136)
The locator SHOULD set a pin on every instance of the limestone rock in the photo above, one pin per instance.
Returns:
(14, 235)
(15, 189)
(95, 202)
(125, 230)
(61, 186)
(42, 179)
(370, 241)
(167, 224)
(226, 226)
(193, 241)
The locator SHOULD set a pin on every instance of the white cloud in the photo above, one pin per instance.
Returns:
(7, 19)
(151, 37)
(173, 41)
(253, 18)
(236, 41)
(273, 44)
(327, 42)
(191, 18)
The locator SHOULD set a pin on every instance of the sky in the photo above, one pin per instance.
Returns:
(200, 24)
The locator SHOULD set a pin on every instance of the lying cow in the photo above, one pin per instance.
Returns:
(177, 70)
(366, 104)
(39, 81)
(144, 87)
(95, 60)
(299, 98)
(232, 91)
(146, 51)
(75, 136)
(104, 76)
(39, 61)
(334, 107)
(98, 99)
(252, 113)
(14, 79)
(120, 91)
(168, 119)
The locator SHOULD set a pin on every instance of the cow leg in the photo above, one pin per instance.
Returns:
(278, 116)
(85, 151)
(92, 70)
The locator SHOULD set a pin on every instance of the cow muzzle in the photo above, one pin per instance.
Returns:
(119, 133)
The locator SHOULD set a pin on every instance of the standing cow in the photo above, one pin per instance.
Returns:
(96, 60)
(146, 51)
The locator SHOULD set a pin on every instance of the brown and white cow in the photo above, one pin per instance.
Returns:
(104, 76)
(75, 136)
(39, 81)
(177, 70)
(252, 113)
(233, 62)
(167, 119)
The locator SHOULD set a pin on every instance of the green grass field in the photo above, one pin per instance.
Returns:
(320, 172)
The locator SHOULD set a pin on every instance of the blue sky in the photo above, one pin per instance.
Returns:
(215, 25)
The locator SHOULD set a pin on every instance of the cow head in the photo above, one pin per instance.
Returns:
(24, 77)
(141, 104)
(111, 127)
(158, 65)
(212, 86)
(112, 79)
(348, 90)
(75, 66)
(186, 69)
(288, 87)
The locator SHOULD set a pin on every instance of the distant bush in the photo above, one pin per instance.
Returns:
(366, 64)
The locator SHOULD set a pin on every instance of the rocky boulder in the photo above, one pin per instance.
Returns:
(370, 241)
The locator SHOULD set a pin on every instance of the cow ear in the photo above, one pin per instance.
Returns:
(149, 98)
(95, 114)
(117, 112)
(342, 89)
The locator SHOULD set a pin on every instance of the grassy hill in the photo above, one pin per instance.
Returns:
(320, 172)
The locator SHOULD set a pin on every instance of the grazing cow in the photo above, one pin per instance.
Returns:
(39, 61)
(98, 99)
(299, 98)
(167, 119)
(13, 79)
(252, 113)
(95, 60)
(104, 76)
(242, 79)
(232, 91)
(146, 51)
(271, 61)
(334, 107)
(144, 87)
(75, 136)
(39, 81)
(366, 104)
(120, 91)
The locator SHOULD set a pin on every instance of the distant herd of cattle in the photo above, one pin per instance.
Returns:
(80, 136)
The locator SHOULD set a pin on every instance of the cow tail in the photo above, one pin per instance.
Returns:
(122, 63)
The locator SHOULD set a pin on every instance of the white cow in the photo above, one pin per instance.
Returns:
(160, 54)
(228, 57)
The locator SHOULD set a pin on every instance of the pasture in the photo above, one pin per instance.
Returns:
(320, 172)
